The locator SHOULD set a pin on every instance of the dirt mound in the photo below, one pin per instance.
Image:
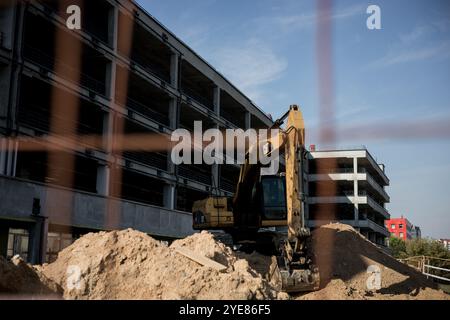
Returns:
(18, 279)
(131, 265)
(347, 262)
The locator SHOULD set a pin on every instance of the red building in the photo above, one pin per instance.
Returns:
(400, 228)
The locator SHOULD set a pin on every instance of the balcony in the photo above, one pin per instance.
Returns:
(196, 85)
(199, 173)
(371, 181)
(147, 111)
(232, 111)
(369, 224)
(349, 199)
(375, 206)
(346, 174)
(375, 168)
(153, 159)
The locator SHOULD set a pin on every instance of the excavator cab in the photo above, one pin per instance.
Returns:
(273, 198)
(266, 207)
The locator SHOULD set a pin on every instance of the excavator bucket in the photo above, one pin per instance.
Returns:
(297, 280)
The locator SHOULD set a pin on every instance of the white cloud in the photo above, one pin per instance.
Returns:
(349, 12)
(194, 36)
(413, 46)
(403, 56)
(250, 66)
(415, 34)
(304, 20)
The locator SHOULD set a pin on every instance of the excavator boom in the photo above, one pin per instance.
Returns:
(295, 262)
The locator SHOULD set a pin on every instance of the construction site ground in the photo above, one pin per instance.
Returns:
(132, 265)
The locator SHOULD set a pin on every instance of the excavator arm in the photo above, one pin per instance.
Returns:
(295, 267)
(295, 271)
(295, 262)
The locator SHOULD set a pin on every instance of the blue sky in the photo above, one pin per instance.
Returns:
(399, 74)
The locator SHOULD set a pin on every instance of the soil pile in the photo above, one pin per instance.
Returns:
(350, 267)
(20, 280)
(131, 265)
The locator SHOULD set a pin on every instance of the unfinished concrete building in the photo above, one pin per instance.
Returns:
(348, 186)
(122, 73)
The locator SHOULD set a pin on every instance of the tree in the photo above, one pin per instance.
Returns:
(428, 247)
(398, 247)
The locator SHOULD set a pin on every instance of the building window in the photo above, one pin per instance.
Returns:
(55, 243)
(401, 234)
(392, 226)
(18, 243)
(400, 226)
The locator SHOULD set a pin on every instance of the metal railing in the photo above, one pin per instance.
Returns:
(196, 173)
(34, 116)
(191, 94)
(49, 63)
(38, 118)
(49, 8)
(377, 227)
(153, 159)
(227, 116)
(147, 111)
(150, 68)
(425, 265)
(377, 206)
(376, 186)
(227, 185)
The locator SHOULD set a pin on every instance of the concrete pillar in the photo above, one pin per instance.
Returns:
(355, 189)
(37, 243)
(108, 130)
(248, 120)
(5, 83)
(4, 233)
(44, 241)
(103, 177)
(174, 113)
(174, 69)
(174, 121)
(8, 157)
(7, 23)
(217, 100)
(16, 69)
(169, 196)
(113, 25)
(215, 172)
(215, 179)
(3, 153)
(110, 76)
(104, 170)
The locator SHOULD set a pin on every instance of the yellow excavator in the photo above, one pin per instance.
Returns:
(264, 202)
